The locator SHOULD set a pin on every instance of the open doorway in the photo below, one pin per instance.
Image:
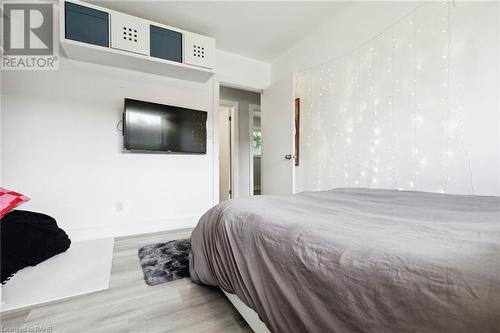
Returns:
(239, 143)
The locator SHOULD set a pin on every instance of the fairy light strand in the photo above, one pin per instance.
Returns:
(355, 155)
(391, 112)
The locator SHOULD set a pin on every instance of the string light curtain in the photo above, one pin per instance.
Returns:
(389, 114)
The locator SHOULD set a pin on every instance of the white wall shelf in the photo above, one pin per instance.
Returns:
(127, 60)
(133, 60)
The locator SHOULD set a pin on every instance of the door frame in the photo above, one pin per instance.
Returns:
(234, 151)
(216, 85)
(252, 110)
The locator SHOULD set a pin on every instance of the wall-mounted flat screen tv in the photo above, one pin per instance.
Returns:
(151, 127)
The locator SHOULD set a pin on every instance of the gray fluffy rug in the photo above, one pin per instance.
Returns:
(163, 262)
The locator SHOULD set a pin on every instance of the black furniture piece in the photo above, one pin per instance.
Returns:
(27, 239)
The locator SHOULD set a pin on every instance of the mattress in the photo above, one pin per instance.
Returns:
(356, 260)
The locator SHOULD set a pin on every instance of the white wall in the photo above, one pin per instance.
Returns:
(60, 146)
(327, 109)
(242, 72)
(498, 83)
(349, 29)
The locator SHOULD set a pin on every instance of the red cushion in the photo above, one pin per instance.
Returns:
(9, 200)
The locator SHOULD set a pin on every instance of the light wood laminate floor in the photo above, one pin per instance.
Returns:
(129, 305)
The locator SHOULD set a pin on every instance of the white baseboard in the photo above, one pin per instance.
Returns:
(120, 230)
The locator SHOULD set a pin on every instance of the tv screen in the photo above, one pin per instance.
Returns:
(164, 128)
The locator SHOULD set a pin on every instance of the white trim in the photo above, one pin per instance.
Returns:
(234, 146)
(252, 112)
(250, 316)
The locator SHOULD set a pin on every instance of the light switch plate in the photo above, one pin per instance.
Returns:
(199, 50)
(129, 33)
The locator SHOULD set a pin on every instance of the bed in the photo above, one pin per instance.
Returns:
(356, 260)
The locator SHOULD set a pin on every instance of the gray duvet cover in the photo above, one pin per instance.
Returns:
(357, 260)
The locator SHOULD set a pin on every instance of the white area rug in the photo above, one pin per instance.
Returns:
(84, 268)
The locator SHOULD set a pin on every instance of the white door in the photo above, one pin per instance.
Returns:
(278, 138)
(224, 153)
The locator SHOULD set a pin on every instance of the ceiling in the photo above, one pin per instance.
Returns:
(255, 29)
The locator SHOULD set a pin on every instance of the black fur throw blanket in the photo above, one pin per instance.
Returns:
(27, 239)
